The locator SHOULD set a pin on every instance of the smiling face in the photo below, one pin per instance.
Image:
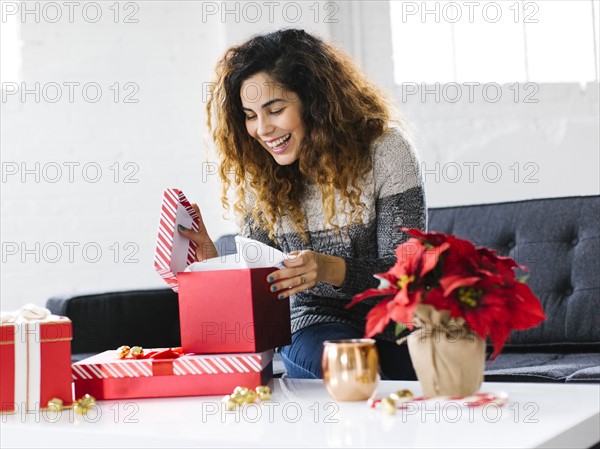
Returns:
(273, 117)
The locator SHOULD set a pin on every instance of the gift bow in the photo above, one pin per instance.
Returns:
(166, 354)
(29, 312)
(162, 361)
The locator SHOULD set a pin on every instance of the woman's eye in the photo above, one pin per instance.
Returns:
(250, 117)
(277, 111)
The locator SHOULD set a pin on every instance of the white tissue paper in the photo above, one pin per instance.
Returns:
(250, 254)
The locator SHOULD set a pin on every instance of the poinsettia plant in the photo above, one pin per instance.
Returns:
(449, 273)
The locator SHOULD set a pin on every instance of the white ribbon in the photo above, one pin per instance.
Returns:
(27, 321)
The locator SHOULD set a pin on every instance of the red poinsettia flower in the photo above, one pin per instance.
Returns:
(496, 309)
(413, 261)
(452, 274)
(432, 238)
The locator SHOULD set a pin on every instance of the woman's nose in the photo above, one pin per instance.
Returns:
(265, 127)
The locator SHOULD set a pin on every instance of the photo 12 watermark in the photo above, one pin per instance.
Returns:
(270, 11)
(116, 412)
(70, 92)
(469, 12)
(270, 412)
(469, 92)
(70, 12)
(455, 411)
(472, 172)
(69, 252)
(53, 172)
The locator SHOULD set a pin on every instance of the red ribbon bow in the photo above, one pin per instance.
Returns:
(162, 361)
(171, 353)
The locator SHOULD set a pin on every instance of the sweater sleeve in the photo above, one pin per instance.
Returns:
(399, 202)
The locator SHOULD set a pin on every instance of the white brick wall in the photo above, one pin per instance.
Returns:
(168, 55)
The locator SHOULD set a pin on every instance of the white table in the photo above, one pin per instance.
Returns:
(302, 414)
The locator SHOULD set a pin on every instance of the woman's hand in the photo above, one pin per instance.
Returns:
(205, 247)
(305, 269)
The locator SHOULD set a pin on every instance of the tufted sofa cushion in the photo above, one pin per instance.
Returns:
(558, 239)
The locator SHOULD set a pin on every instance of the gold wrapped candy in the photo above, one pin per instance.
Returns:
(137, 352)
(388, 405)
(82, 405)
(55, 404)
(402, 395)
(230, 404)
(123, 351)
(244, 395)
(263, 392)
(241, 390)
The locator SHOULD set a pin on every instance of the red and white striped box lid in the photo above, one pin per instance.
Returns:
(107, 365)
(174, 252)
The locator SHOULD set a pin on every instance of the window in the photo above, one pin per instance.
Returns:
(501, 41)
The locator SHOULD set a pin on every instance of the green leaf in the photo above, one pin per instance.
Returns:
(399, 328)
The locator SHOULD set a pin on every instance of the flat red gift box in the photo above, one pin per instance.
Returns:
(35, 364)
(105, 376)
(221, 311)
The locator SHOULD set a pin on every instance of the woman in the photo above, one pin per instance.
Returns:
(305, 141)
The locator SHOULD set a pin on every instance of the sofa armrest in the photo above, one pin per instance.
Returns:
(147, 318)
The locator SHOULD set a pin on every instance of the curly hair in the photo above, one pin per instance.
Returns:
(342, 113)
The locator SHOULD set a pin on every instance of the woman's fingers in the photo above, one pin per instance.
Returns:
(300, 273)
(205, 247)
(288, 286)
(190, 234)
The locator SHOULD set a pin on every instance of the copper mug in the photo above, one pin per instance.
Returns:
(350, 368)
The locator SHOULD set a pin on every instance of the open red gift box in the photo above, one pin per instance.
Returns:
(106, 376)
(222, 310)
(35, 363)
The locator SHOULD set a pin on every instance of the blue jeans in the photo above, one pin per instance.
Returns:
(302, 358)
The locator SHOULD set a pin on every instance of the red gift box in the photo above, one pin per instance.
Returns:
(222, 310)
(35, 363)
(231, 311)
(105, 376)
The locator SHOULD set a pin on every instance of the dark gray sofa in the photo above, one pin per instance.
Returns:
(557, 238)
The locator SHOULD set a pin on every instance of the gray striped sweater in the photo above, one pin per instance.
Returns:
(394, 197)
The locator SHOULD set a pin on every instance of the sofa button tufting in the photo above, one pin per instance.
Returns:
(568, 292)
(575, 241)
(510, 245)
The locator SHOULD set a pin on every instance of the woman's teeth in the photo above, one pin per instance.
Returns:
(279, 142)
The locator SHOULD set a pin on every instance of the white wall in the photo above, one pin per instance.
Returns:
(168, 56)
(506, 142)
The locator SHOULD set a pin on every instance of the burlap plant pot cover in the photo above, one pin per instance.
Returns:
(447, 355)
